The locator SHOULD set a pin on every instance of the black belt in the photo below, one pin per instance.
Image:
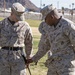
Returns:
(12, 48)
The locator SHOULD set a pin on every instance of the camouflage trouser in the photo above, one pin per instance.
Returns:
(60, 67)
(11, 63)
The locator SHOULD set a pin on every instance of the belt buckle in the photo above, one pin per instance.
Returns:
(11, 48)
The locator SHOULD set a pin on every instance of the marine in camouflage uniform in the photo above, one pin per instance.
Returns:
(59, 41)
(14, 36)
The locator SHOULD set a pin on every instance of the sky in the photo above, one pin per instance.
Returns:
(56, 3)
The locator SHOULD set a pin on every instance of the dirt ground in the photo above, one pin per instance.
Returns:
(35, 31)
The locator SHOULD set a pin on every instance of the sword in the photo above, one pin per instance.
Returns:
(26, 62)
(29, 70)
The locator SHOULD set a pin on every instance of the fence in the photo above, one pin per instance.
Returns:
(37, 16)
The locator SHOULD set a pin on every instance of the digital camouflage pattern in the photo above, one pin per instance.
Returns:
(17, 35)
(59, 42)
